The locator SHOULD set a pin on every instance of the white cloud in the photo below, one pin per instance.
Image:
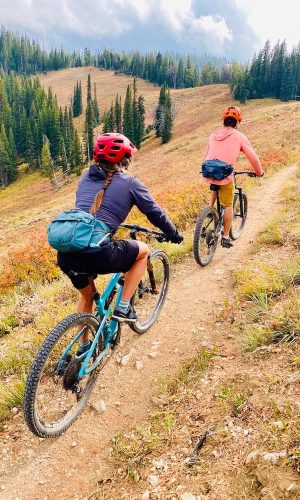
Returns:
(180, 25)
(215, 27)
(274, 19)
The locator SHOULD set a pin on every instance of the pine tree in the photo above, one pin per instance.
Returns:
(118, 114)
(12, 147)
(167, 122)
(159, 110)
(128, 128)
(77, 100)
(80, 99)
(54, 133)
(89, 89)
(46, 161)
(4, 166)
(89, 130)
(111, 119)
(96, 107)
(135, 114)
(29, 151)
(4, 106)
(180, 74)
(287, 85)
(76, 160)
(106, 122)
(140, 126)
(240, 90)
(11, 168)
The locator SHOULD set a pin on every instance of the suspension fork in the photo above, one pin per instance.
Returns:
(151, 276)
(220, 211)
(240, 193)
(149, 268)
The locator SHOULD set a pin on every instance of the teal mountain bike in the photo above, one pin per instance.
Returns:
(209, 224)
(60, 381)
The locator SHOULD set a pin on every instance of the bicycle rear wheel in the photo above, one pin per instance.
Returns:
(205, 237)
(239, 216)
(54, 397)
(151, 293)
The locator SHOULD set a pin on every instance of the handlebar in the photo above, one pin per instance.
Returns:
(250, 174)
(135, 228)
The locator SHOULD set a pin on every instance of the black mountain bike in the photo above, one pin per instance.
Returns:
(210, 223)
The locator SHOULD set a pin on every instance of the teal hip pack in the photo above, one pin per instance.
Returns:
(216, 169)
(74, 230)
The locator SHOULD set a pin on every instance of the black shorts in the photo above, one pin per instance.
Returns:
(115, 256)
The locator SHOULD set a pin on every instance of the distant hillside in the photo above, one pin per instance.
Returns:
(108, 85)
(170, 170)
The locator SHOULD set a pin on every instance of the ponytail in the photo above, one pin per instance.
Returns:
(110, 170)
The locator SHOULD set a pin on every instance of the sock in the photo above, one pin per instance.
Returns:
(226, 237)
(124, 304)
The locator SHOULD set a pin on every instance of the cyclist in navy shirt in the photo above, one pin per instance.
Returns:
(109, 193)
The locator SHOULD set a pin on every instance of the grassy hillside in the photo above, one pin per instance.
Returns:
(169, 170)
(108, 85)
(33, 298)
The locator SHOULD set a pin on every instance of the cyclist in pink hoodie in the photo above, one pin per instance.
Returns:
(225, 144)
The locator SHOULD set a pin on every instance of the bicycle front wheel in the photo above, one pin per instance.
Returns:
(151, 293)
(240, 211)
(205, 237)
(54, 397)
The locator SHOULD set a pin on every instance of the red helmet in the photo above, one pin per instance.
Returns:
(112, 147)
(233, 112)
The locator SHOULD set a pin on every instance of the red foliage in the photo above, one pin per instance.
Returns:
(35, 261)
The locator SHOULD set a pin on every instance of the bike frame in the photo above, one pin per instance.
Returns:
(238, 191)
(107, 326)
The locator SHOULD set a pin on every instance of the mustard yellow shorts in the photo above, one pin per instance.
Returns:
(227, 194)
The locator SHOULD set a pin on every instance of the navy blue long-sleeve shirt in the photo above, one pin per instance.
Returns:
(122, 194)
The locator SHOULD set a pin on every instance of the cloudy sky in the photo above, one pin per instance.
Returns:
(231, 28)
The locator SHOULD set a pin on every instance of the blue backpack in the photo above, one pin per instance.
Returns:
(74, 230)
(216, 169)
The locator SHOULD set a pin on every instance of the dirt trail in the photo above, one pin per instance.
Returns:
(70, 466)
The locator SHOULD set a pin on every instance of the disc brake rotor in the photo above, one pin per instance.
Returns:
(210, 238)
(71, 373)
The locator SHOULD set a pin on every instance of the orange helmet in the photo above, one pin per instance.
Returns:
(233, 112)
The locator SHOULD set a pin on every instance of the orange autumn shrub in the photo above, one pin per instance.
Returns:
(274, 158)
(32, 262)
(184, 203)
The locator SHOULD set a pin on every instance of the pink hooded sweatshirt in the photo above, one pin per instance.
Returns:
(225, 144)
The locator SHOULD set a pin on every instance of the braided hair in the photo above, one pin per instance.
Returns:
(110, 169)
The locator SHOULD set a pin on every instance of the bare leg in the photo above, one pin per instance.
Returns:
(228, 216)
(213, 197)
(133, 276)
(85, 302)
